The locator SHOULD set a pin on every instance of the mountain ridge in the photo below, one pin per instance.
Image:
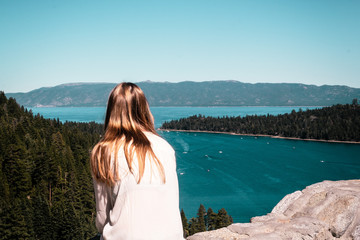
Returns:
(189, 93)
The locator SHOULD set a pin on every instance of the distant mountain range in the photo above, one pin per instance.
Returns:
(209, 93)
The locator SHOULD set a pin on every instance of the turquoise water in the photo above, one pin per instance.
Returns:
(249, 176)
(161, 114)
(245, 175)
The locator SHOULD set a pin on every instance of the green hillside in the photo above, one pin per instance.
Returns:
(211, 93)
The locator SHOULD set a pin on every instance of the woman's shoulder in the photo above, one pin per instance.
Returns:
(158, 142)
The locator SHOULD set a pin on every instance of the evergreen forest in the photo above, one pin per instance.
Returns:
(339, 122)
(205, 221)
(46, 189)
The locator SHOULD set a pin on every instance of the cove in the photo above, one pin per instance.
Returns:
(247, 175)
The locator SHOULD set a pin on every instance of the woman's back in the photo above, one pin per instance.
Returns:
(145, 210)
(134, 171)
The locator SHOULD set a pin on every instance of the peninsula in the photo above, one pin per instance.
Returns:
(338, 123)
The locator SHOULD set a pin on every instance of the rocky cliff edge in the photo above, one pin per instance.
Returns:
(325, 210)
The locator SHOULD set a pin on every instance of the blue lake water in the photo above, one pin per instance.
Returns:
(161, 114)
(245, 175)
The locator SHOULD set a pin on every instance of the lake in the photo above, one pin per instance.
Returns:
(245, 175)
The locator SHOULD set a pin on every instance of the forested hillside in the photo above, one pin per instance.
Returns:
(338, 122)
(208, 93)
(46, 188)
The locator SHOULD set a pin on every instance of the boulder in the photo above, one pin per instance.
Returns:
(326, 210)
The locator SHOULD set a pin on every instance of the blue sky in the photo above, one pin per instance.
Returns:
(46, 43)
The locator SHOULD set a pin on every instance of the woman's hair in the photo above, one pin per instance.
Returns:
(127, 117)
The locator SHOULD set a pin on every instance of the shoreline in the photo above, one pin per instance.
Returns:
(260, 135)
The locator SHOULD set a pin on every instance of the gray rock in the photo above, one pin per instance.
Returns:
(251, 229)
(356, 233)
(322, 211)
(219, 234)
(285, 202)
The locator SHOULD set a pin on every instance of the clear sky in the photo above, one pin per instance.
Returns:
(46, 43)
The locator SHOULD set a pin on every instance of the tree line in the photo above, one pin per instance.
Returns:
(205, 221)
(339, 122)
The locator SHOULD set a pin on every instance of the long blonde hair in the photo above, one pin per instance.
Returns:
(127, 117)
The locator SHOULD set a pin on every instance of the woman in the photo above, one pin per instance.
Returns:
(134, 172)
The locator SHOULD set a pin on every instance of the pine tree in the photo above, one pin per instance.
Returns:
(16, 172)
(223, 219)
(184, 223)
(211, 220)
(3, 99)
(193, 226)
(41, 218)
(201, 219)
(13, 222)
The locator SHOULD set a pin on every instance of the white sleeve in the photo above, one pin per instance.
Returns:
(102, 200)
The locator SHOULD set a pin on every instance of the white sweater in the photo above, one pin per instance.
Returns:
(145, 211)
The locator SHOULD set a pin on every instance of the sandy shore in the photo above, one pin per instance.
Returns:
(260, 135)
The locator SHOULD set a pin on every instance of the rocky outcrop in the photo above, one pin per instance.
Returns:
(326, 210)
